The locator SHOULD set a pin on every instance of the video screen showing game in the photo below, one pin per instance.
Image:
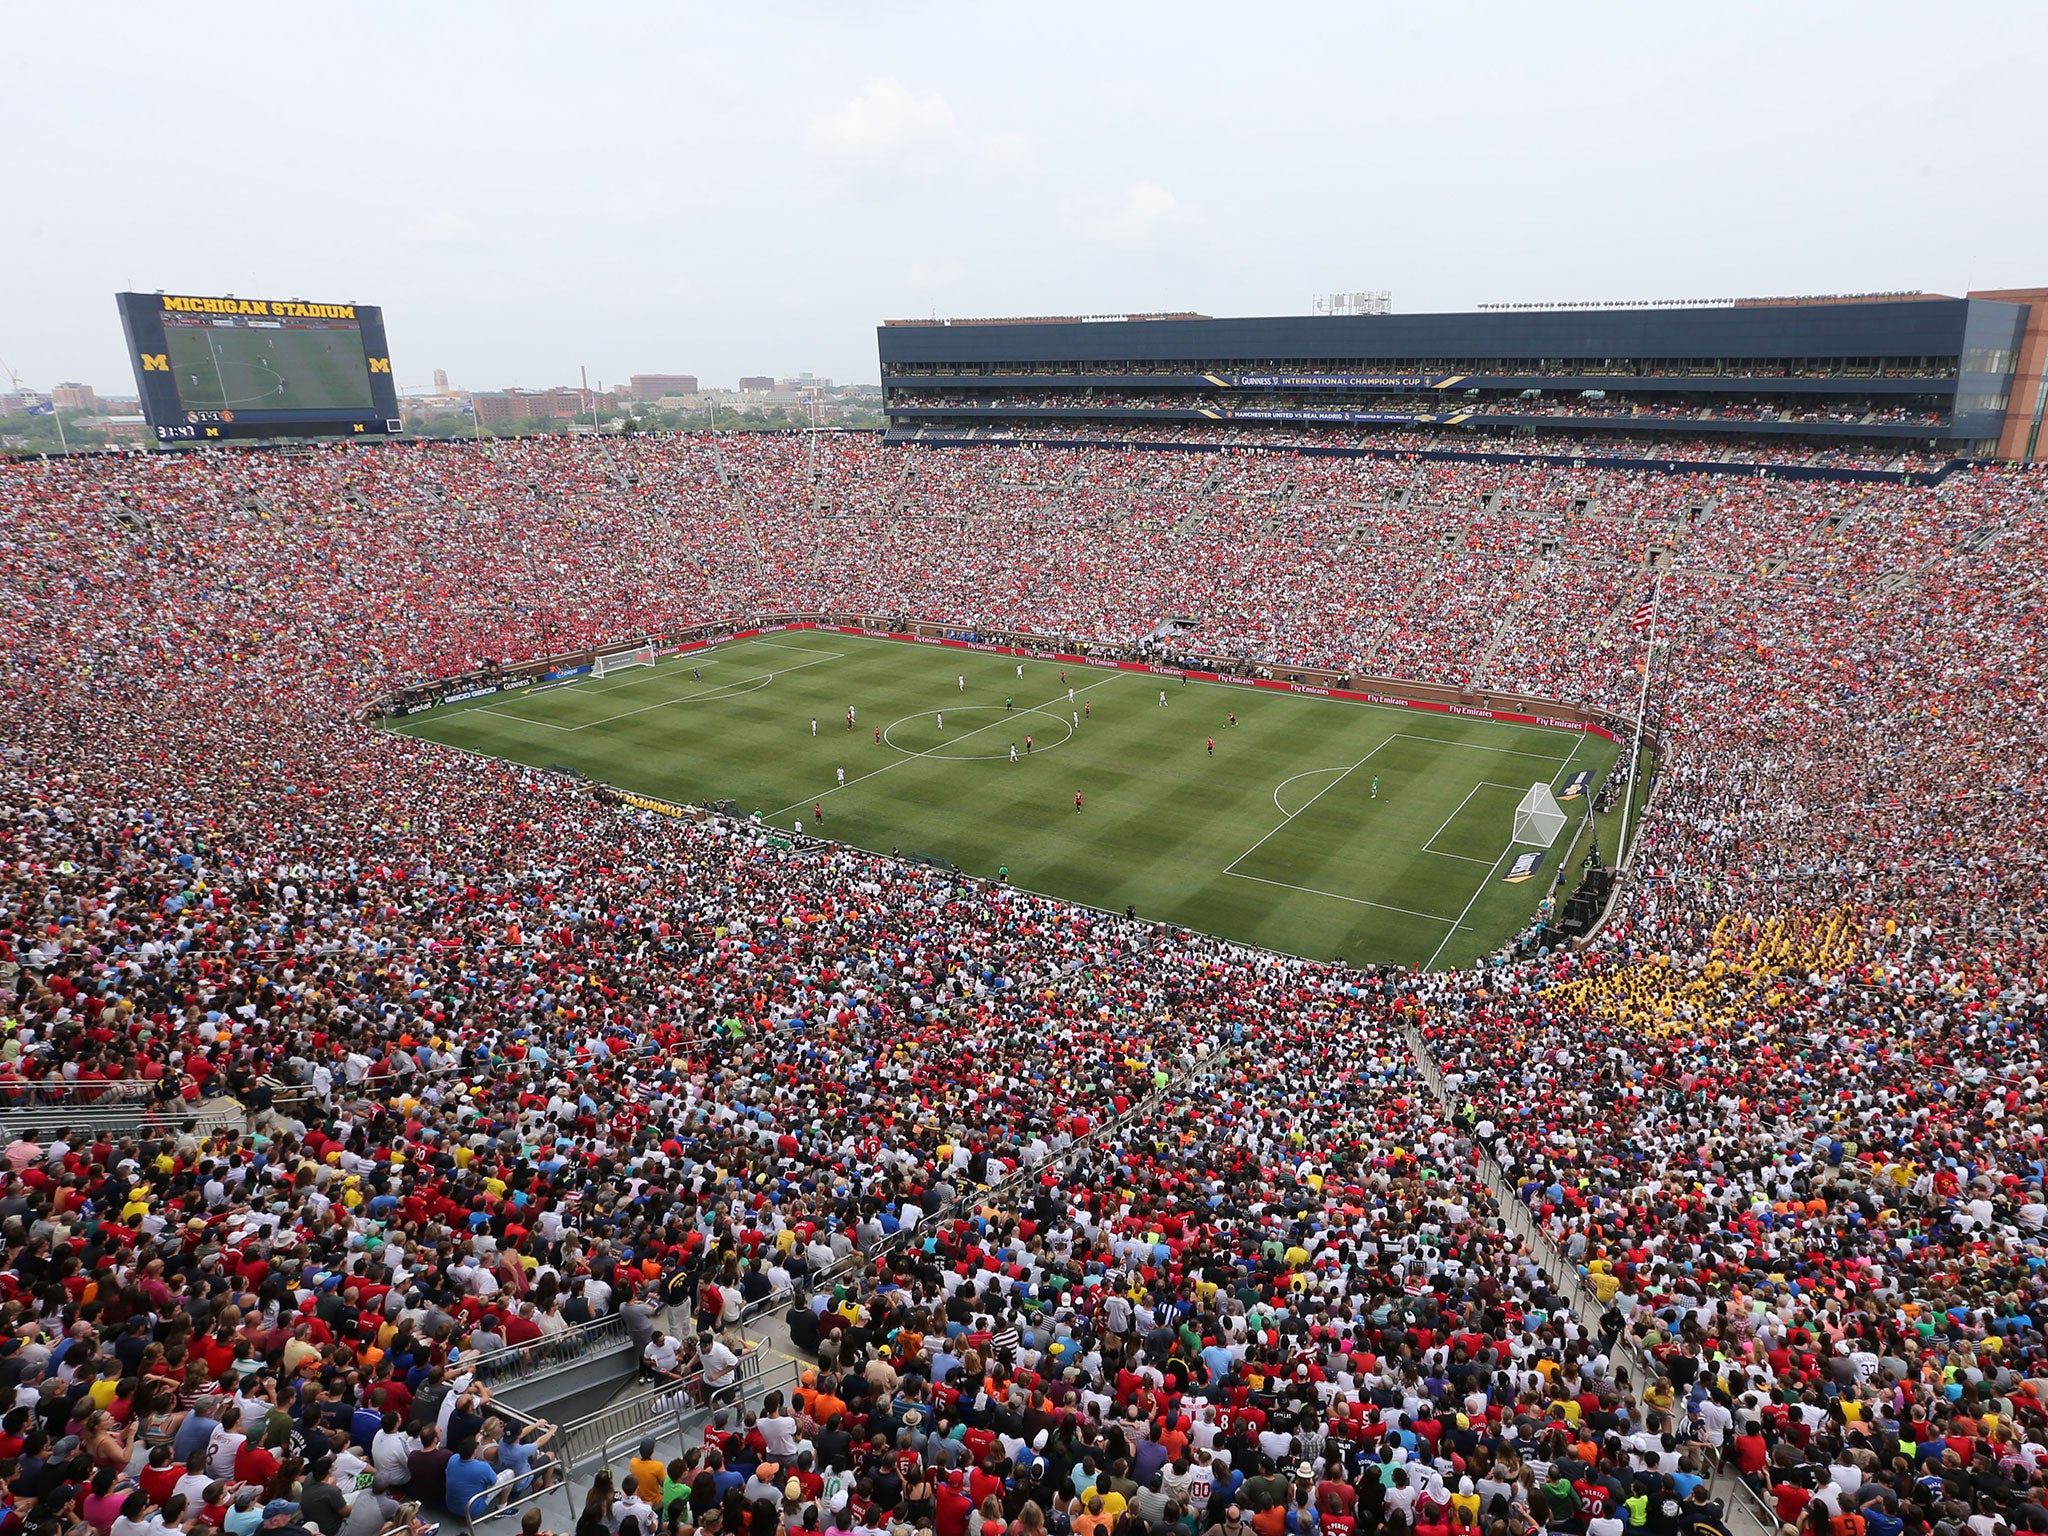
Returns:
(268, 365)
(224, 367)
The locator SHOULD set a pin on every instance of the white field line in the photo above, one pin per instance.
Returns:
(1288, 816)
(1446, 741)
(1439, 832)
(1483, 884)
(659, 673)
(1307, 774)
(906, 756)
(1359, 901)
(718, 689)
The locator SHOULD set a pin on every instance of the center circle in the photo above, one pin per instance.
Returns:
(978, 734)
(249, 374)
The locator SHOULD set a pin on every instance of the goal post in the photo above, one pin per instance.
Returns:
(1539, 818)
(618, 661)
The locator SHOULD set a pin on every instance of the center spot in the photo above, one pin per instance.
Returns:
(978, 732)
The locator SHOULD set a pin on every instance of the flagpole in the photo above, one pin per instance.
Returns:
(1624, 844)
(56, 415)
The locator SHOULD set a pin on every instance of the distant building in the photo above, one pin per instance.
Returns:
(541, 404)
(122, 429)
(74, 397)
(440, 381)
(802, 384)
(756, 383)
(653, 386)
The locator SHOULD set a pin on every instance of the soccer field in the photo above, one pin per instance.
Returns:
(1319, 827)
(251, 368)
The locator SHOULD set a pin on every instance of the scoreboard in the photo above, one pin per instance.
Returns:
(217, 367)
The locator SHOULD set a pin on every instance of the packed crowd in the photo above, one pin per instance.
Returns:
(1621, 442)
(1237, 404)
(1526, 367)
(1194, 1249)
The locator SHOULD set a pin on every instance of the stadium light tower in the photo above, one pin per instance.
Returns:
(811, 401)
(1624, 846)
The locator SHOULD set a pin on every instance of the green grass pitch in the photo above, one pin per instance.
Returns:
(244, 368)
(1275, 839)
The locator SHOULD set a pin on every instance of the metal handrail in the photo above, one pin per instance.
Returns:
(749, 1383)
(286, 1095)
(517, 1361)
(594, 1437)
(752, 1382)
(54, 1090)
(547, 1478)
(121, 1116)
(1568, 1277)
(578, 1432)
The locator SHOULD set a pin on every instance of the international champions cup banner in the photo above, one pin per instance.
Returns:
(1333, 380)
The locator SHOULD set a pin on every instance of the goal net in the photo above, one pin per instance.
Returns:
(618, 661)
(1538, 819)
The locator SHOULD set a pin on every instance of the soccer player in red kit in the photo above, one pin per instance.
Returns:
(1077, 802)
(1212, 746)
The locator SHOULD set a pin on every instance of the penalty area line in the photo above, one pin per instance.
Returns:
(1359, 901)
(1288, 816)
(1495, 866)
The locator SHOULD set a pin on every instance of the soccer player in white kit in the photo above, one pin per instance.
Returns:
(942, 720)
(842, 775)
(1162, 698)
(961, 679)
(1013, 751)
(1020, 669)
(814, 725)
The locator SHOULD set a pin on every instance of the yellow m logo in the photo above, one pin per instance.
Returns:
(380, 365)
(155, 362)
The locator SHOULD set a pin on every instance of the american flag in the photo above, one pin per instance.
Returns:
(1639, 621)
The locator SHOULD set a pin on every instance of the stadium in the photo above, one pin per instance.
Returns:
(1337, 925)
(309, 832)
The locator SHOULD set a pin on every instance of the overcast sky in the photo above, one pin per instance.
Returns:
(744, 188)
